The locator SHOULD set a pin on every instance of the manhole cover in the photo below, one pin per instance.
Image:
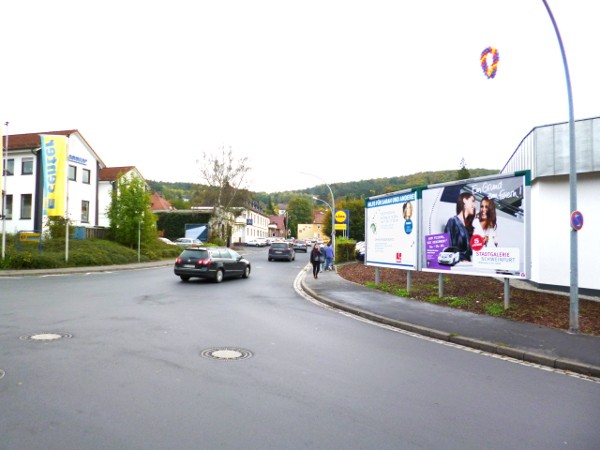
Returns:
(226, 354)
(45, 337)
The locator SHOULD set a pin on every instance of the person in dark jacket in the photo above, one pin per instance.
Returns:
(315, 260)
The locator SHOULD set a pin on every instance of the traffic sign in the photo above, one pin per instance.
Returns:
(577, 220)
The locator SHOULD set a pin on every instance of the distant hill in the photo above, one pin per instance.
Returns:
(178, 192)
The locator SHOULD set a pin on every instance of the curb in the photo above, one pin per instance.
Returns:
(489, 347)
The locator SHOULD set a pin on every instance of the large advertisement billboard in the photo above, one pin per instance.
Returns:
(476, 227)
(391, 230)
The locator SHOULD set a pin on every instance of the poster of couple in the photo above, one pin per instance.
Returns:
(477, 227)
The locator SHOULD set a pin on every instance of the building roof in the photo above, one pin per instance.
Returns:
(112, 173)
(159, 203)
(320, 217)
(33, 140)
(278, 221)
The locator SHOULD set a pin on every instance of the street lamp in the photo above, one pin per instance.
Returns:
(332, 208)
(322, 201)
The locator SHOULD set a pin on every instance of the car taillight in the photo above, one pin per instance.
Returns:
(204, 262)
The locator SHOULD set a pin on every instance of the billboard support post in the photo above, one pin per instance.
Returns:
(376, 276)
(440, 285)
(408, 281)
(506, 293)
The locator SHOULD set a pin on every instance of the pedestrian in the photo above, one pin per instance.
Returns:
(315, 260)
(329, 256)
(322, 250)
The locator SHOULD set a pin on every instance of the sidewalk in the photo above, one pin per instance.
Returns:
(523, 341)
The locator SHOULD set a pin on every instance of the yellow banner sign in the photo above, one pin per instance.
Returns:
(54, 166)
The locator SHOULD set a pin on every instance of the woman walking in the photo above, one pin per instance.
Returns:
(315, 260)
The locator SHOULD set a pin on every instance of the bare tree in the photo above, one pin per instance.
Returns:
(224, 174)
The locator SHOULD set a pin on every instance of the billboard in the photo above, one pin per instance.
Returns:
(478, 227)
(391, 230)
(197, 231)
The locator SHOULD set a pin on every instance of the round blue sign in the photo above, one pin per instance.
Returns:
(577, 220)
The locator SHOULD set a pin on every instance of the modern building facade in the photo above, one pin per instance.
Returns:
(545, 152)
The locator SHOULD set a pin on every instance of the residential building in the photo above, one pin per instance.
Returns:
(23, 184)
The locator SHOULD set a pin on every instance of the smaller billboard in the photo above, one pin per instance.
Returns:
(391, 230)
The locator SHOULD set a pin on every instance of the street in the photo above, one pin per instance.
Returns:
(146, 361)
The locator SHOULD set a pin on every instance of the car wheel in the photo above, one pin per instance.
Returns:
(184, 277)
(246, 273)
(219, 276)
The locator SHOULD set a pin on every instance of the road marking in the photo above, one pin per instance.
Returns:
(301, 292)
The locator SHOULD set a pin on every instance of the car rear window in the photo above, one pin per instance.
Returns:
(200, 254)
(279, 245)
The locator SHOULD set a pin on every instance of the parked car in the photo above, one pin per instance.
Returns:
(214, 263)
(188, 242)
(255, 242)
(281, 250)
(449, 256)
(166, 241)
(300, 246)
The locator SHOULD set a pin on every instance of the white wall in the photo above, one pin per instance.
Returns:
(550, 231)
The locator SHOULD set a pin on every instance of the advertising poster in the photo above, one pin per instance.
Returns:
(391, 231)
(197, 231)
(476, 228)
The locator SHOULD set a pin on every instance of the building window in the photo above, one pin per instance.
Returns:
(9, 168)
(85, 176)
(85, 211)
(26, 166)
(8, 206)
(72, 173)
(26, 206)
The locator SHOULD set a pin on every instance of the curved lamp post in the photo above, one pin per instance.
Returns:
(331, 209)
(332, 206)
(574, 281)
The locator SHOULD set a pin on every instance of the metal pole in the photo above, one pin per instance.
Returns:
(332, 208)
(139, 238)
(5, 156)
(506, 293)
(574, 289)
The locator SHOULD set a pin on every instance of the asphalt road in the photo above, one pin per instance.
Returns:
(135, 368)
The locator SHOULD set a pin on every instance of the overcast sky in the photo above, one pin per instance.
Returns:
(341, 90)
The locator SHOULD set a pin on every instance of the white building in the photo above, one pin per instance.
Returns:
(23, 184)
(545, 152)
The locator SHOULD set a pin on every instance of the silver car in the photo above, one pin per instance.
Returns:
(188, 242)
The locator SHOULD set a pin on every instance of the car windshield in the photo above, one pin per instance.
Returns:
(197, 254)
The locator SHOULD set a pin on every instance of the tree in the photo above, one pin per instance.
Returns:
(129, 212)
(463, 173)
(356, 211)
(224, 176)
(299, 210)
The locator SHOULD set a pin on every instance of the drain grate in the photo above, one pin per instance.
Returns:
(226, 354)
(45, 337)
